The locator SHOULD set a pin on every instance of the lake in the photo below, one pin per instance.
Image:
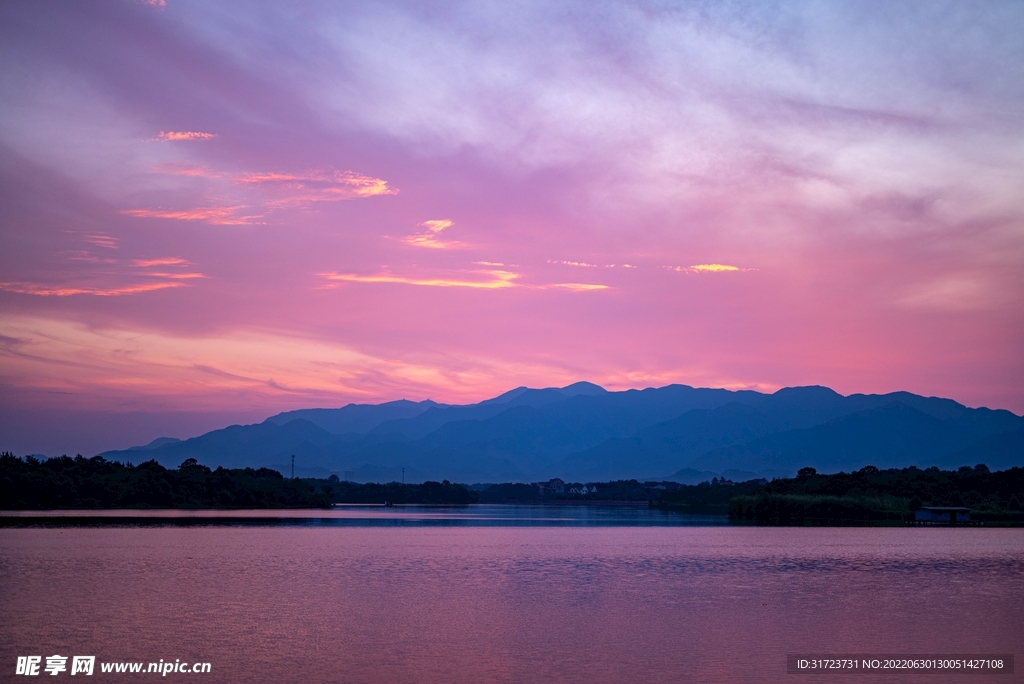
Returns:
(502, 594)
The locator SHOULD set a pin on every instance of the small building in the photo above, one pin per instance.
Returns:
(553, 486)
(942, 515)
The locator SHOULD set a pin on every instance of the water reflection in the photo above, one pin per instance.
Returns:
(507, 603)
(480, 515)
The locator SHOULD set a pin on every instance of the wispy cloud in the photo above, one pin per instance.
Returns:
(84, 255)
(176, 169)
(174, 276)
(490, 280)
(111, 282)
(59, 291)
(316, 186)
(430, 237)
(224, 216)
(577, 264)
(437, 225)
(708, 268)
(168, 136)
(167, 261)
(102, 240)
(485, 279)
(584, 264)
(955, 292)
(266, 191)
(580, 287)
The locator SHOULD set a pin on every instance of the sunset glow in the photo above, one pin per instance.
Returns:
(312, 205)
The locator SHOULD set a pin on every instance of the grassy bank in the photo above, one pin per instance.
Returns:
(874, 496)
(765, 508)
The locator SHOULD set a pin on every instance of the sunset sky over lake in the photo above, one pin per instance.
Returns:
(211, 212)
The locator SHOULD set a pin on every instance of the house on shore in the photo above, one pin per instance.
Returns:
(942, 515)
(553, 486)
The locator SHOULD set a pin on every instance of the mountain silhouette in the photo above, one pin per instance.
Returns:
(584, 433)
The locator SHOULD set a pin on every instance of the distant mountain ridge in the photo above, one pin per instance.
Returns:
(583, 432)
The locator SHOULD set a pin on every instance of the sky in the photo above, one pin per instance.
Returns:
(211, 212)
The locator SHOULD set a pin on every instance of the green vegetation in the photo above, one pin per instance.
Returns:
(94, 483)
(867, 496)
(870, 496)
(706, 497)
(616, 490)
(510, 492)
(598, 492)
(800, 509)
(397, 493)
(90, 483)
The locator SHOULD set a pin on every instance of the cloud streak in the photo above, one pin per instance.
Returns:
(491, 279)
(431, 237)
(267, 191)
(102, 240)
(221, 216)
(170, 136)
(61, 291)
(106, 283)
(317, 186)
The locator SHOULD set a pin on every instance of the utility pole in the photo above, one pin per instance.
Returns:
(293, 466)
(403, 475)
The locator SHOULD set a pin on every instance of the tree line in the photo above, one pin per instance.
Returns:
(96, 483)
(874, 495)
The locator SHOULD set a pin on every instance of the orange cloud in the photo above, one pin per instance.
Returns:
(99, 283)
(496, 280)
(708, 268)
(493, 280)
(437, 225)
(430, 238)
(277, 191)
(319, 186)
(58, 291)
(167, 261)
(184, 135)
(579, 287)
(225, 216)
(176, 276)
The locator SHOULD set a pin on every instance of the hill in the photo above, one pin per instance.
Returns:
(585, 433)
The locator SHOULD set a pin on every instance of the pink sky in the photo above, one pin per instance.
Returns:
(212, 212)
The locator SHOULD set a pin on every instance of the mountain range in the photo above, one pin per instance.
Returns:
(584, 433)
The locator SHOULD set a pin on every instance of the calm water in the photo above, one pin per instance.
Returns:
(482, 515)
(615, 599)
